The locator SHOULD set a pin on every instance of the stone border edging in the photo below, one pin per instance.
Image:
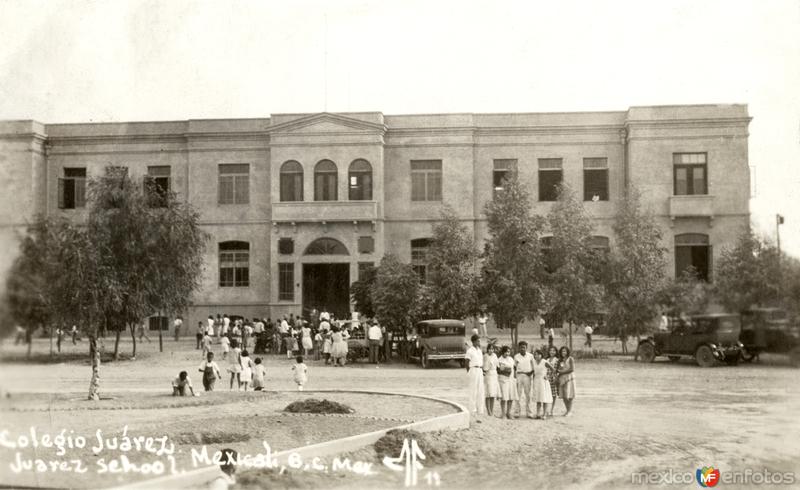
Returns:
(202, 476)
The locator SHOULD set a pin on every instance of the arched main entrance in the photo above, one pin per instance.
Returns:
(326, 277)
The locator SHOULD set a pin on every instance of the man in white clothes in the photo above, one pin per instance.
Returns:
(324, 315)
(210, 326)
(475, 391)
(374, 335)
(226, 324)
(524, 366)
(588, 331)
(482, 319)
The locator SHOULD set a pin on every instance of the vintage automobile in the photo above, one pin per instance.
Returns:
(437, 340)
(707, 338)
(769, 330)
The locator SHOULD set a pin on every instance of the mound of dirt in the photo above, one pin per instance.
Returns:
(435, 451)
(313, 405)
(216, 437)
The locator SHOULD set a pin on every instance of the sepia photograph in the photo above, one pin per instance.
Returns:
(371, 244)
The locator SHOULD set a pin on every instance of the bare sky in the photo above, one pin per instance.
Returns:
(71, 61)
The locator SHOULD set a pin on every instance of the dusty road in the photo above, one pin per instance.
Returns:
(660, 418)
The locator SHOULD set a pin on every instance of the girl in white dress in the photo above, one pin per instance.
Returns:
(542, 393)
(491, 385)
(235, 366)
(247, 369)
(507, 381)
(338, 348)
(308, 344)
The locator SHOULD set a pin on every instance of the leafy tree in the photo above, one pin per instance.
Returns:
(361, 292)
(152, 250)
(395, 293)
(685, 294)
(571, 279)
(450, 284)
(748, 274)
(635, 273)
(510, 276)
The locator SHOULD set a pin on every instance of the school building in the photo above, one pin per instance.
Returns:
(298, 204)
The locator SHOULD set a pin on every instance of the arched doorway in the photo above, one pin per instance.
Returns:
(326, 277)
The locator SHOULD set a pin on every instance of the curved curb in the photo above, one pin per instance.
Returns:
(202, 476)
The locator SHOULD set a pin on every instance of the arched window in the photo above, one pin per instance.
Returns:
(291, 181)
(360, 180)
(234, 264)
(693, 253)
(419, 257)
(325, 181)
(326, 246)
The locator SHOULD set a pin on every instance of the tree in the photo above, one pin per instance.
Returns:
(686, 294)
(395, 293)
(152, 250)
(635, 273)
(450, 283)
(571, 279)
(748, 274)
(361, 291)
(510, 275)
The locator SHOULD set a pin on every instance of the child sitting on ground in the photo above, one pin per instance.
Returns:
(300, 373)
(259, 373)
(180, 384)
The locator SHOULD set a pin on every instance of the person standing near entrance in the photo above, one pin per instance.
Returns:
(374, 336)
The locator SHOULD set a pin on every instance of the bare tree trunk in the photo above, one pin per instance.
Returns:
(51, 340)
(160, 336)
(116, 344)
(94, 384)
(29, 339)
(570, 335)
(133, 337)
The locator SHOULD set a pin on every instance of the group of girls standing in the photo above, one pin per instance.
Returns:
(552, 376)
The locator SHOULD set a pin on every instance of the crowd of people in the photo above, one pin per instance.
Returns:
(533, 380)
(323, 338)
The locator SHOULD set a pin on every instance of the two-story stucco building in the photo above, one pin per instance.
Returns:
(297, 204)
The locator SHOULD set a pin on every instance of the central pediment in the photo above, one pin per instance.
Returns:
(327, 123)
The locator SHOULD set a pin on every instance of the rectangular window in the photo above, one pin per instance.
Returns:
(157, 185)
(595, 179)
(156, 323)
(426, 180)
(419, 257)
(690, 173)
(550, 177)
(366, 244)
(285, 246)
(503, 169)
(363, 267)
(72, 189)
(234, 265)
(285, 282)
(234, 183)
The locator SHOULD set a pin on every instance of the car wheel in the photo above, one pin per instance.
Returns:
(647, 352)
(747, 355)
(674, 358)
(704, 356)
(423, 359)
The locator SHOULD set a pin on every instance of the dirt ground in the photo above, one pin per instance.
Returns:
(629, 418)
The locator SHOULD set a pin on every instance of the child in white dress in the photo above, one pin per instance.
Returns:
(226, 346)
(247, 370)
(542, 393)
(300, 373)
(259, 374)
